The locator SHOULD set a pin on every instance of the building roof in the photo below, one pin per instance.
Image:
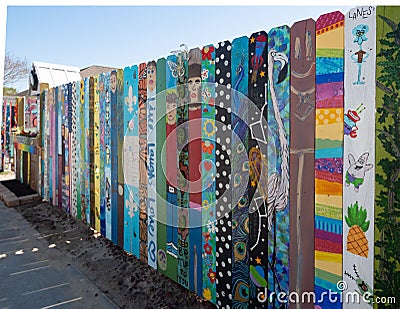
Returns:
(95, 70)
(52, 74)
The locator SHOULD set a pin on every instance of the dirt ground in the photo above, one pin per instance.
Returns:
(126, 280)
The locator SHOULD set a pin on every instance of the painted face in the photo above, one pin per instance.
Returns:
(113, 83)
(171, 112)
(194, 85)
(151, 77)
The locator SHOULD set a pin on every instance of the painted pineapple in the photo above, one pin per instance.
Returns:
(356, 219)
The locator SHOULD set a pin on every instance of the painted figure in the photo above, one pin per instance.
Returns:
(356, 173)
(360, 56)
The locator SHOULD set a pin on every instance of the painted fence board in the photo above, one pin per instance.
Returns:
(258, 169)
(239, 169)
(328, 156)
(151, 75)
(278, 159)
(223, 193)
(171, 168)
(208, 172)
(359, 150)
(302, 148)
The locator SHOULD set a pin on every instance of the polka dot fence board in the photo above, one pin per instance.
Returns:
(75, 181)
(278, 159)
(223, 193)
(143, 160)
(257, 152)
(302, 136)
(151, 74)
(240, 172)
(208, 172)
(328, 155)
(73, 143)
(171, 169)
(183, 172)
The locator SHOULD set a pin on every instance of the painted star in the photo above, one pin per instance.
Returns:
(252, 40)
(258, 260)
(262, 73)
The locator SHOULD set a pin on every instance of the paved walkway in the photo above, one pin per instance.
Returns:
(34, 274)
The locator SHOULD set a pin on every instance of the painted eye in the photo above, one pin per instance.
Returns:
(241, 292)
(239, 251)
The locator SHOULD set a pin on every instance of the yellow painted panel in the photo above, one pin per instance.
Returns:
(332, 39)
(333, 131)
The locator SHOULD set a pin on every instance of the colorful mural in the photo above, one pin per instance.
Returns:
(244, 170)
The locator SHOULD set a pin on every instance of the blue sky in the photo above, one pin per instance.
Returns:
(119, 36)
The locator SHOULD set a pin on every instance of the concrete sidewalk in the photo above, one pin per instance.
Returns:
(34, 274)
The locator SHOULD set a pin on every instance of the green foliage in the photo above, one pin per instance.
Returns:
(357, 216)
(387, 276)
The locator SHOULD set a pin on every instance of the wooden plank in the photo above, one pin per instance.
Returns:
(208, 172)
(302, 139)
(102, 152)
(183, 165)
(223, 192)
(161, 167)
(119, 166)
(358, 149)
(387, 265)
(258, 169)
(96, 151)
(194, 177)
(79, 150)
(151, 75)
(92, 152)
(328, 154)
(239, 165)
(171, 169)
(74, 150)
(130, 160)
(114, 157)
(143, 160)
(278, 159)
(108, 157)
(86, 147)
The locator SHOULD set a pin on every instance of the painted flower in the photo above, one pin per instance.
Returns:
(205, 204)
(209, 127)
(207, 294)
(211, 275)
(211, 226)
(207, 248)
(207, 236)
(206, 52)
(207, 147)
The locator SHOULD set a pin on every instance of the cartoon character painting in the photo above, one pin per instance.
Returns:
(360, 56)
(356, 173)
